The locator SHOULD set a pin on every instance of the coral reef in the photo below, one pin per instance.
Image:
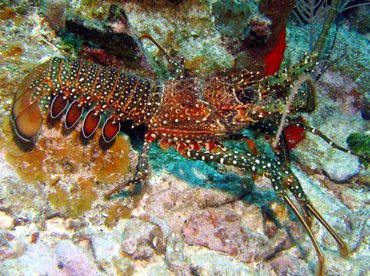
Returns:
(221, 230)
(190, 217)
(142, 239)
(359, 18)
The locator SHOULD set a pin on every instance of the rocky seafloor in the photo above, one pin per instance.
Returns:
(190, 218)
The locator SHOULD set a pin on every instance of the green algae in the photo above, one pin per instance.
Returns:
(230, 15)
(360, 143)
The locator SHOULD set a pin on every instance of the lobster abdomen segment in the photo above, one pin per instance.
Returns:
(83, 89)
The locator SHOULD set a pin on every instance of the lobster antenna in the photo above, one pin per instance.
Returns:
(294, 91)
(149, 37)
(326, 28)
(178, 63)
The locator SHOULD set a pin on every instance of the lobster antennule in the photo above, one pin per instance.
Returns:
(27, 115)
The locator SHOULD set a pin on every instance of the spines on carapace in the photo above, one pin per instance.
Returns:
(99, 94)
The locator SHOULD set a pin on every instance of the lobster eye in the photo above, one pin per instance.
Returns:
(246, 95)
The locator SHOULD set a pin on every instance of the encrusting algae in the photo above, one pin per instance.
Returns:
(75, 201)
(115, 213)
(70, 168)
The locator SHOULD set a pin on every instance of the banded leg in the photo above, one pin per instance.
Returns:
(282, 179)
(331, 142)
(282, 150)
(142, 172)
(283, 154)
(309, 211)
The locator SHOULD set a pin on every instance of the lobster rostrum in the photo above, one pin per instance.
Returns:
(192, 115)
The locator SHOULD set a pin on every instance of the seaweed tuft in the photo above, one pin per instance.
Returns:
(360, 143)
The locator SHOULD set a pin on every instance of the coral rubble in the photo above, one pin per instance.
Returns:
(190, 217)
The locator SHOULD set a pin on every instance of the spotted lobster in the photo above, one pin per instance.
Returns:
(192, 115)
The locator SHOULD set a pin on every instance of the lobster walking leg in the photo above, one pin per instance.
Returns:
(331, 143)
(282, 179)
(142, 172)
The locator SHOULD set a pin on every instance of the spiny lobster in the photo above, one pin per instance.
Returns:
(192, 115)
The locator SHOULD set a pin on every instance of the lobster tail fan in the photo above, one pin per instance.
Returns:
(28, 122)
(27, 116)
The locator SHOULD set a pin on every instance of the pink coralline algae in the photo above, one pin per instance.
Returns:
(342, 90)
(142, 239)
(222, 230)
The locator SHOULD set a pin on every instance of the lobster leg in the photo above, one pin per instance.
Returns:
(142, 172)
(331, 143)
(320, 256)
(308, 209)
(282, 152)
(283, 180)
